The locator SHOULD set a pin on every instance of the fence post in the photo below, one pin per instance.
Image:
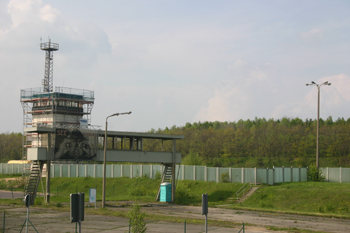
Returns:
(291, 174)
(53, 169)
(77, 170)
(217, 175)
(68, 170)
(205, 173)
(131, 170)
(141, 170)
(340, 175)
(85, 170)
(95, 170)
(255, 178)
(151, 171)
(61, 170)
(242, 175)
(112, 170)
(273, 175)
(230, 174)
(194, 172)
(282, 174)
(267, 175)
(327, 174)
(121, 170)
(183, 171)
(299, 174)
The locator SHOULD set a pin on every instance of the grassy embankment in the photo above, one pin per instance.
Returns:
(317, 198)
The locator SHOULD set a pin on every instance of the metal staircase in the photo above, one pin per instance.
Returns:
(166, 177)
(33, 180)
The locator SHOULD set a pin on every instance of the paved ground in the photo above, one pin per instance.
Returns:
(46, 220)
(9, 194)
(50, 221)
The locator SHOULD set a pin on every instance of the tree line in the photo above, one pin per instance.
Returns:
(10, 146)
(261, 142)
(245, 143)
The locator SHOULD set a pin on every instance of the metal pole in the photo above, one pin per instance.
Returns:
(27, 219)
(206, 224)
(318, 124)
(104, 168)
(185, 227)
(318, 116)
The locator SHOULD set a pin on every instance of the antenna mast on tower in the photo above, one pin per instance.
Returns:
(48, 78)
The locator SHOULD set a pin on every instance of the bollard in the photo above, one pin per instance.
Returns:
(3, 228)
(185, 227)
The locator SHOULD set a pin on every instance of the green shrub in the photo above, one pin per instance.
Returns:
(137, 191)
(225, 178)
(136, 221)
(158, 176)
(314, 174)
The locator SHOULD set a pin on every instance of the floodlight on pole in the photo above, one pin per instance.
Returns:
(318, 114)
(104, 157)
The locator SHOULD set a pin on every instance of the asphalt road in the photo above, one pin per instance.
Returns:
(50, 221)
(10, 195)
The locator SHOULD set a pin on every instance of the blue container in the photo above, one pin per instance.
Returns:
(165, 192)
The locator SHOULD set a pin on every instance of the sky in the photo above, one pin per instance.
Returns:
(173, 62)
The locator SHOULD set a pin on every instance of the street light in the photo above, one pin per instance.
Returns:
(318, 113)
(104, 158)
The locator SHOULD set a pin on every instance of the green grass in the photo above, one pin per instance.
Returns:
(316, 198)
(10, 175)
(140, 189)
(305, 197)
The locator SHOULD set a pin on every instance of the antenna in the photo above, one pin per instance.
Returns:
(48, 77)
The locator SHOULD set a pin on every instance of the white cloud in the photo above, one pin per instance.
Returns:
(312, 34)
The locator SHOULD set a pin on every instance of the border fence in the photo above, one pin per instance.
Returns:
(188, 172)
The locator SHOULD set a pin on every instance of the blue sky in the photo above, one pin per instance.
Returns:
(172, 62)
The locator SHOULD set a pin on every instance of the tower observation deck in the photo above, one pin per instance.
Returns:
(48, 77)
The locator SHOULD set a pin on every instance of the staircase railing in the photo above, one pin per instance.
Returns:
(166, 177)
(242, 190)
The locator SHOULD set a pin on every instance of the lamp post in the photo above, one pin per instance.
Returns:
(104, 158)
(318, 113)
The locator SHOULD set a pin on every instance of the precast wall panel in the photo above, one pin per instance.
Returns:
(81, 172)
(279, 174)
(146, 170)
(249, 175)
(287, 174)
(188, 172)
(73, 170)
(117, 170)
(99, 170)
(270, 175)
(64, 170)
(136, 171)
(223, 171)
(236, 175)
(156, 169)
(56, 170)
(211, 173)
(345, 175)
(126, 171)
(90, 170)
(261, 174)
(303, 173)
(334, 174)
(295, 174)
(200, 173)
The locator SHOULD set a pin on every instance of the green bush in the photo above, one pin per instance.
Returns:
(158, 176)
(136, 221)
(314, 174)
(225, 178)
